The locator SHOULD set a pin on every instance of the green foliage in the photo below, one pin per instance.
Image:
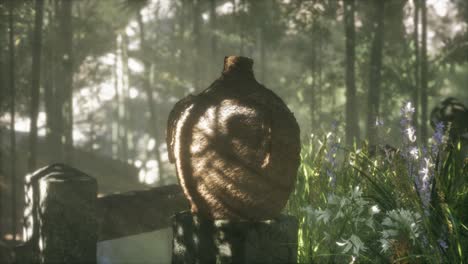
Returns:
(400, 226)
(375, 212)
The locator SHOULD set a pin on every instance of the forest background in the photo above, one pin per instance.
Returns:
(91, 83)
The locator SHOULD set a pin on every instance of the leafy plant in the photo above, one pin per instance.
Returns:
(384, 204)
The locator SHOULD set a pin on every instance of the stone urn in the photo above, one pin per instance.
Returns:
(236, 147)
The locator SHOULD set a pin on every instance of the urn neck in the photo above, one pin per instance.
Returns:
(238, 67)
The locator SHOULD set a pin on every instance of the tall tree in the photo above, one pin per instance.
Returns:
(196, 43)
(3, 93)
(49, 81)
(240, 11)
(318, 32)
(115, 115)
(416, 63)
(260, 9)
(59, 91)
(214, 41)
(424, 77)
(11, 80)
(181, 12)
(66, 31)
(124, 117)
(375, 64)
(263, 51)
(35, 83)
(314, 105)
(149, 93)
(120, 117)
(352, 126)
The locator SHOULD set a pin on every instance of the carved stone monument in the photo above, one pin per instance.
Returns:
(236, 148)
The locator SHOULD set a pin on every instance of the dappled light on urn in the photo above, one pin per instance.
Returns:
(225, 143)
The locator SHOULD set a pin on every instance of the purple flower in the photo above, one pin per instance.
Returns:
(426, 167)
(410, 150)
(437, 139)
(333, 145)
(442, 243)
(439, 133)
(424, 183)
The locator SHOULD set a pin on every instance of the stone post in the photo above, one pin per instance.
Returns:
(198, 240)
(60, 217)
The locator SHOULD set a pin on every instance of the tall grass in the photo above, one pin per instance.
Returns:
(381, 205)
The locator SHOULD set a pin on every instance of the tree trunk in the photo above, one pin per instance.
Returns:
(3, 93)
(424, 77)
(149, 94)
(214, 42)
(67, 64)
(259, 7)
(49, 66)
(313, 89)
(49, 92)
(124, 113)
(61, 113)
(318, 70)
(115, 114)
(196, 45)
(12, 120)
(240, 10)
(352, 125)
(35, 83)
(182, 15)
(54, 94)
(416, 65)
(375, 73)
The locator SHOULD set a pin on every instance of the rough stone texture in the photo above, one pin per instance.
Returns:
(236, 147)
(61, 224)
(200, 240)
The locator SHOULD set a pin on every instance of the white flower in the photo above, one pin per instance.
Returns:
(411, 133)
(379, 122)
(423, 172)
(341, 244)
(414, 152)
(375, 209)
(408, 108)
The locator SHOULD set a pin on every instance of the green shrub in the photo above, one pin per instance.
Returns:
(407, 206)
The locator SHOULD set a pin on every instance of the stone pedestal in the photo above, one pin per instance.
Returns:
(198, 240)
(60, 217)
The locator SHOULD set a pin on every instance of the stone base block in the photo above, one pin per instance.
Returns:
(198, 240)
